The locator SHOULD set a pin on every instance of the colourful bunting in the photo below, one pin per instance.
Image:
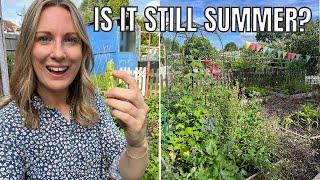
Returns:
(265, 49)
(279, 54)
(298, 56)
(256, 47)
(308, 57)
(291, 56)
(259, 47)
(269, 51)
(284, 54)
(253, 46)
(247, 45)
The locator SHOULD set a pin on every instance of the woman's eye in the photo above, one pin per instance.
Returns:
(71, 40)
(44, 39)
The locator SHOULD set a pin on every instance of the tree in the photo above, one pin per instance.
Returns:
(116, 5)
(171, 45)
(87, 7)
(306, 42)
(198, 48)
(231, 46)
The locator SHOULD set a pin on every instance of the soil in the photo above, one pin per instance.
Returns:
(299, 157)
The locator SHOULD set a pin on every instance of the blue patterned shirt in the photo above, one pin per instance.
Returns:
(58, 149)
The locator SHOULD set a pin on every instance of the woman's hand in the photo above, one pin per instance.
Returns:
(128, 106)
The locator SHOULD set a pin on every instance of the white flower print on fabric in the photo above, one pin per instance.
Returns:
(59, 149)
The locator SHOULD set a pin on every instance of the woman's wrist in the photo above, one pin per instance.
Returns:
(138, 152)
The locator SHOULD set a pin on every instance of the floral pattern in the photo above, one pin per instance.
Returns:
(58, 149)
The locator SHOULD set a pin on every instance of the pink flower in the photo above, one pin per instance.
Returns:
(217, 74)
(212, 70)
(207, 62)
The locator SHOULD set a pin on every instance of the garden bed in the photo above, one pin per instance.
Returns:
(299, 154)
(279, 105)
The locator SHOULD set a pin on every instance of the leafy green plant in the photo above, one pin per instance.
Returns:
(309, 115)
(256, 90)
(288, 122)
(294, 80)
(212, 134)
(153, 103)
(10, 59)
(152, 171)
(107, 81)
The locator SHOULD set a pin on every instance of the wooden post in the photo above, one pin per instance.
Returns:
(148, 69)
(3, 60)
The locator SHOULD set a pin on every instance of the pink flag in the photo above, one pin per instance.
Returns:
(253, 46)
(259, 47)
(293, 55)
(289, 56)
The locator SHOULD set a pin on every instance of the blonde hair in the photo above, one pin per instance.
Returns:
(23, 81)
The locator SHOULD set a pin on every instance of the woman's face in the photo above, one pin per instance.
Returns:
(57, 50)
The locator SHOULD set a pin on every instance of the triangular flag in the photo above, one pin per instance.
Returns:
(253, 46)
(289, 56)
(308, 57)
(279, 54)
(270, 51)
(265, 49)
(293, 55)
(247, 45)
(284, 54)
(259, 47)
(298, 56)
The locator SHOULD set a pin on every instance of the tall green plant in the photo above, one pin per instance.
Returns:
(212, 134)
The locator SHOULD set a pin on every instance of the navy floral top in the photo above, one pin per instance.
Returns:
(58, 149)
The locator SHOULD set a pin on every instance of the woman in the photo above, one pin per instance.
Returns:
(55, 125)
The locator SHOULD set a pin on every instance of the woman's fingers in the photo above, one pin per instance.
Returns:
(133, 126)
(128, 120)
(126, 78)
(133, 96)
(123, 106)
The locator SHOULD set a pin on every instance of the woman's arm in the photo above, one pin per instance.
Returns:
(133, 161)
(11, 163)
(128, 106)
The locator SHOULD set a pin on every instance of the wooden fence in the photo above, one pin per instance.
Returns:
(312, 80)
(11, 43)
(267, 77)
(148, 82)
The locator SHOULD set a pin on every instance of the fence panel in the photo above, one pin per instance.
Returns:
(11, 43)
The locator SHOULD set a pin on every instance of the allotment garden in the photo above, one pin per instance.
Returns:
(249, 113)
